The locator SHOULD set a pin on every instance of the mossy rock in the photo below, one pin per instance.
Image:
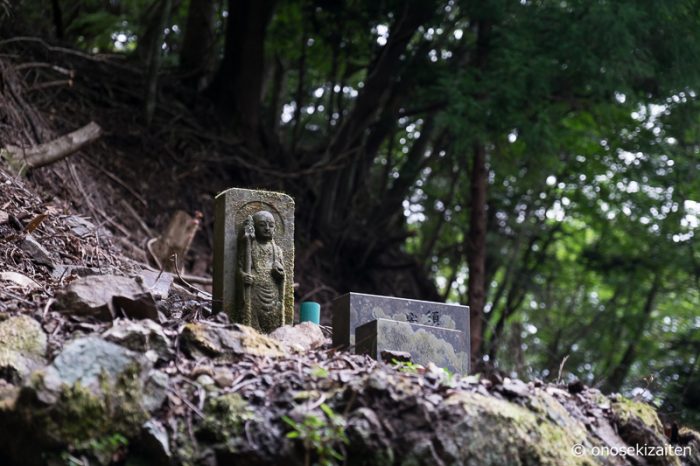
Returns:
(199, 339)
(638, 424)
(497, 432)
(22, 348)
(626, 411)
(94, 392)
(225, 416)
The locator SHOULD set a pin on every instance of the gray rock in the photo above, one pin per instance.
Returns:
(89, 360)
(140, 336)
(104, 296)
(155, 390)
(302, 337)
(155, 444)
(157, 283)
(22, 348)
(93, 389)
(37, 252)
(79, 226)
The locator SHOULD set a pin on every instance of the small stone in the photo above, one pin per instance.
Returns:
(4, 217)
(79, 226)
(223, 378)
(37, 252)
(141, 336)
(152, 356)
(157, 283)
(301, 338)
(155, 444)
(205, 380)
(515, 388)
(390, 356)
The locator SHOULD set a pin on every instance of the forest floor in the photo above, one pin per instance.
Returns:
(188, 387)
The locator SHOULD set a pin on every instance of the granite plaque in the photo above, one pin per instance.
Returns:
(254, 257)
(445, 347)
(354, 309)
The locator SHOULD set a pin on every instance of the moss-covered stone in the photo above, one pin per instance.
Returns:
(22, 347)
(497, 432)
(228, 344)
(638, 424)
(90, 395)
(224, 417)
(625, 410)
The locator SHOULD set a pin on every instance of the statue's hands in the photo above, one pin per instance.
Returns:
(278, 271)
(247, 278)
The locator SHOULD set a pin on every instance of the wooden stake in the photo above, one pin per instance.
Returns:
(175, 241)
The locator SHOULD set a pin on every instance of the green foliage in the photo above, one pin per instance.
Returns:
(321, 436)
(102, 450)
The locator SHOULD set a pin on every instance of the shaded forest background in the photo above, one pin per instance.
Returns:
(536, 160)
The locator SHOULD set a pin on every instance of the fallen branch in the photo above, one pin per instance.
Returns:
(52, 151)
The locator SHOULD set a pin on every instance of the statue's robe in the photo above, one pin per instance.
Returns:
(267, 291)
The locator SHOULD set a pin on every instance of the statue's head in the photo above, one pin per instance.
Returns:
(264, 225)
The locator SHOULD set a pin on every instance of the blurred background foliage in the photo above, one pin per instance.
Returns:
(583, 241)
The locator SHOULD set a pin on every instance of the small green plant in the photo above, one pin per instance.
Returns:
(406, 366)
(104, 450)
(319, 372)
(322, 436)
(412, 368)
(450, 378)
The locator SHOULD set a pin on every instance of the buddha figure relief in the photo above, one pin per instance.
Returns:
(261, 272)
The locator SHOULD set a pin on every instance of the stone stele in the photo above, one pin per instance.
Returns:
(354, 309)
(445, 347)
(254, 257)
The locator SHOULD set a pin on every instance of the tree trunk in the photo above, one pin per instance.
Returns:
(57, 19)
(476, 247)
(619, 374)
(198, 44)
(370, 102)
(157, 25)
(238, 83)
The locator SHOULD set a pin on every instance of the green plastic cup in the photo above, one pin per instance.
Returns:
(310, 311)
